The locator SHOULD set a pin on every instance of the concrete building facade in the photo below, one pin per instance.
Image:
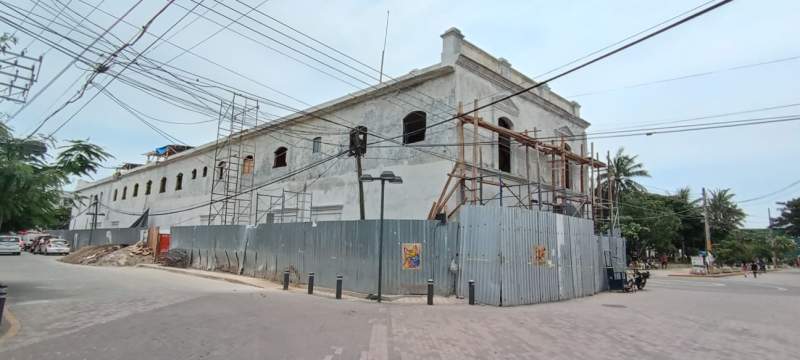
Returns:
(176, 189)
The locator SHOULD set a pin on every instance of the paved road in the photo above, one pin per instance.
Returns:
(80, 312)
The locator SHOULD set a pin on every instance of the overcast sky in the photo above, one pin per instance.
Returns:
(535, 36)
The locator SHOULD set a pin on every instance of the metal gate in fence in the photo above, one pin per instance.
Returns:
(518, 256)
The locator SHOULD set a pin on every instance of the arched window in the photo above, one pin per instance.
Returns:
(205, 171)
(115, 194)
(124, 192)
(414, 127)
(567, 175)
(135, 190)
(148, 187)
(316, 145)
(220, 170)
(504, 146)
(280, 157)
(163, 186)
(179, 182)
(247, 165)
(194, 174)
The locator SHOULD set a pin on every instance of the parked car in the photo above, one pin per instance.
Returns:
(9, 245)
(55, 246)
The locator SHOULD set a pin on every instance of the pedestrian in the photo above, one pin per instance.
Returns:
(664, 261)
(754, 268)
(762, 265)
(744, 269)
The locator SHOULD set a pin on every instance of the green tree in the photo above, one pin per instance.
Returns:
(648, 223)
(724, 215)
(789, 219)
(31, 186)
(625, 169)
(690, 237)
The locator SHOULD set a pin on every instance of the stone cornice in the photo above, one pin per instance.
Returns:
(499, 80)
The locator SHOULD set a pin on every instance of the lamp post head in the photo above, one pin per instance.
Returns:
(391, 177)
(367, 178)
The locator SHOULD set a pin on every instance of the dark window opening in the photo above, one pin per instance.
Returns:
(148, 187)
(205, 171)
(220, 170)
(248, 164)
(135, 190)
(179, 182)
(280, 157)
(414, 127)
(504, 146)
(115, 194)
(194, 174)
(124, 192)
(163, 186)
(316, 145)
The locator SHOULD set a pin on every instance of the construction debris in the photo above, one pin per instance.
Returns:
(112, 255)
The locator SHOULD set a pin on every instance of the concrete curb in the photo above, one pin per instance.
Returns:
(13, 326)
(274, 286)
(739, 273)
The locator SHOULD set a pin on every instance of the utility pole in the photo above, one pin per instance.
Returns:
(94, 214)
(358, 147)
(360, 186)
(772, 239)
(706, 224)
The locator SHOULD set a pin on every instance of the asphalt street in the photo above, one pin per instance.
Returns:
(82, 312)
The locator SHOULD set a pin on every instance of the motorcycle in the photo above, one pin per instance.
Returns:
(635, 280)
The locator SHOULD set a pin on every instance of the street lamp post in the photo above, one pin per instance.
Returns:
(392, 179)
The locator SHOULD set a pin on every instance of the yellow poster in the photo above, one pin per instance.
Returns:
(412, 256)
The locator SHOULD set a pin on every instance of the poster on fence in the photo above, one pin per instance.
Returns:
(412, 256)
(540, 256)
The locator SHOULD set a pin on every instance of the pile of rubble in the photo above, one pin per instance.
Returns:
(112, 255)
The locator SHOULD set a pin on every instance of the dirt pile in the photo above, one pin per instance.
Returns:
(88, 255)
(111, 255)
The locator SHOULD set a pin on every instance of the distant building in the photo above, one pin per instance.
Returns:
(176, 184)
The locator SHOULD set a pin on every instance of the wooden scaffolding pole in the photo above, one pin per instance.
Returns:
(591, 181)
(475, 152)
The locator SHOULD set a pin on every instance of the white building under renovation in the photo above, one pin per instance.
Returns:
(524, 151)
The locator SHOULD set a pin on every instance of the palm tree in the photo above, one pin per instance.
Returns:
(724, 215)
(623, 168)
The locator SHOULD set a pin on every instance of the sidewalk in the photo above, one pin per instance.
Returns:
(302, 288)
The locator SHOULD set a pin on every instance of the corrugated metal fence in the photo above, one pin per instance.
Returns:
(328, 248)
(81, 238)
(518, 256)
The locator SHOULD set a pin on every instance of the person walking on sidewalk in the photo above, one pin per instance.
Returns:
(744, 269)
(754, 268)
(664, 261)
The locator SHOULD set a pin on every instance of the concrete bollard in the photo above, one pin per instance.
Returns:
(286, 280)
(311, 283)
(472, 292)
(339, 286)
(2, 301)
(430, 291)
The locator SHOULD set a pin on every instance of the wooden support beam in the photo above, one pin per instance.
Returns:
(475, 152)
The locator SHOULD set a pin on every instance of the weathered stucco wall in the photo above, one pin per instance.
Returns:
(464, 74)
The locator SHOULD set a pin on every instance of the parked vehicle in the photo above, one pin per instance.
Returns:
(55, 246)
(9, 244)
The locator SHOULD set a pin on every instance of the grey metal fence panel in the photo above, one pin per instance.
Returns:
(347, 248)
(520, 256)
(480, 253)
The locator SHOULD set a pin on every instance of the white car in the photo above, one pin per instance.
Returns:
(9, 245)
(55, 246)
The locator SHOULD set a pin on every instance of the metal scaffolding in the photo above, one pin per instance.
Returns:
(234, 163)
(289, 206)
